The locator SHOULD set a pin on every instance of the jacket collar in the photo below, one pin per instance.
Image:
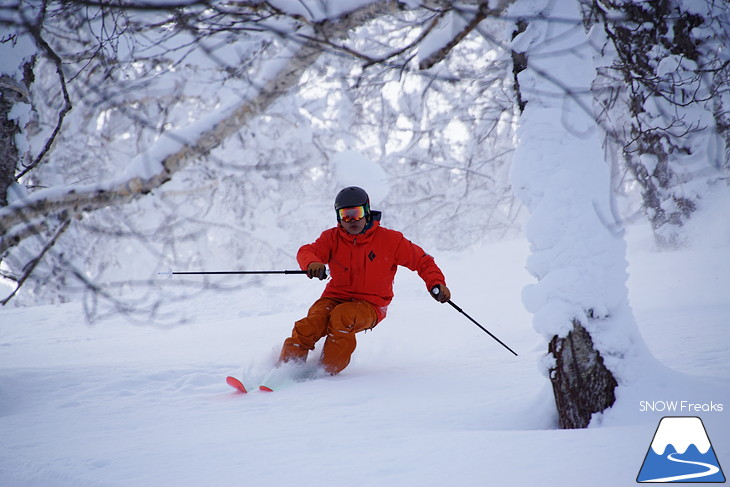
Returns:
(365, 235)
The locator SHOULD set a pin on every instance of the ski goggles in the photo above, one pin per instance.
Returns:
(351, 214)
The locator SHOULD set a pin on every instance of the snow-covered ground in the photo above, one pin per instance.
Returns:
(428, 400)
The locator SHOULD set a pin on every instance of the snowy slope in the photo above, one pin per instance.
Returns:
(428, 400)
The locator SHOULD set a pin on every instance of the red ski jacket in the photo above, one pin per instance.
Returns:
(363, 266)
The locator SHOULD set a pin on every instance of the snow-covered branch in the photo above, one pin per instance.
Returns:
(459, 25)
(176, 149)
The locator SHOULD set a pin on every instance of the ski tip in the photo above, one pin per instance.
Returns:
(236, 384)
(266, 389)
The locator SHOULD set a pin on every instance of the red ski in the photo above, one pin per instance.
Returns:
(236, 384)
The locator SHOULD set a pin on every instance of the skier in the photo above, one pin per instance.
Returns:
(363, 258)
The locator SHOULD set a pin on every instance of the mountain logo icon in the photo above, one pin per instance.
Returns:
(680, 452)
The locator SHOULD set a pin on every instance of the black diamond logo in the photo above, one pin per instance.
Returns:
(371, 256)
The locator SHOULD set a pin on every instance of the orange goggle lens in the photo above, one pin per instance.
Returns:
(351, 214)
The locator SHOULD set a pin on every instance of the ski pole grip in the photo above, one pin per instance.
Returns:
(436, 291)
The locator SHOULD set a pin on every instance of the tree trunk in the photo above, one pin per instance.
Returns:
(577, 250)
(581, 382)
(11, 92)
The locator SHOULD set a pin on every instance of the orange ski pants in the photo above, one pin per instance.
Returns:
(336, 319)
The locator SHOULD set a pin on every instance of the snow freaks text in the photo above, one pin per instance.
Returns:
(682, 407)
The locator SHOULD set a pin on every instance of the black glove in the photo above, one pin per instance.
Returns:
(318, 270)
(440, 293)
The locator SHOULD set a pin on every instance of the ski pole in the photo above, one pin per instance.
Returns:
(436, 291)
(190, 273)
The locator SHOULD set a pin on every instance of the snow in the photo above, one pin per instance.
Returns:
(429, 399)
(690, 430)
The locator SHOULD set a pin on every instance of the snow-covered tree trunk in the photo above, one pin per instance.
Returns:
(662, 91)
(580, 302)
(12, 92)
(15, 79)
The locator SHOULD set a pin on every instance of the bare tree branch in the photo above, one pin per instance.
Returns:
(175, 150)
(28, 271)
(35, 31)
(483, 11)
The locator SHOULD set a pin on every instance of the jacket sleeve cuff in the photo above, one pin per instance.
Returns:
(435, 283)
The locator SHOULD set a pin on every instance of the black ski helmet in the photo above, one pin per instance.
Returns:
(352, 196)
